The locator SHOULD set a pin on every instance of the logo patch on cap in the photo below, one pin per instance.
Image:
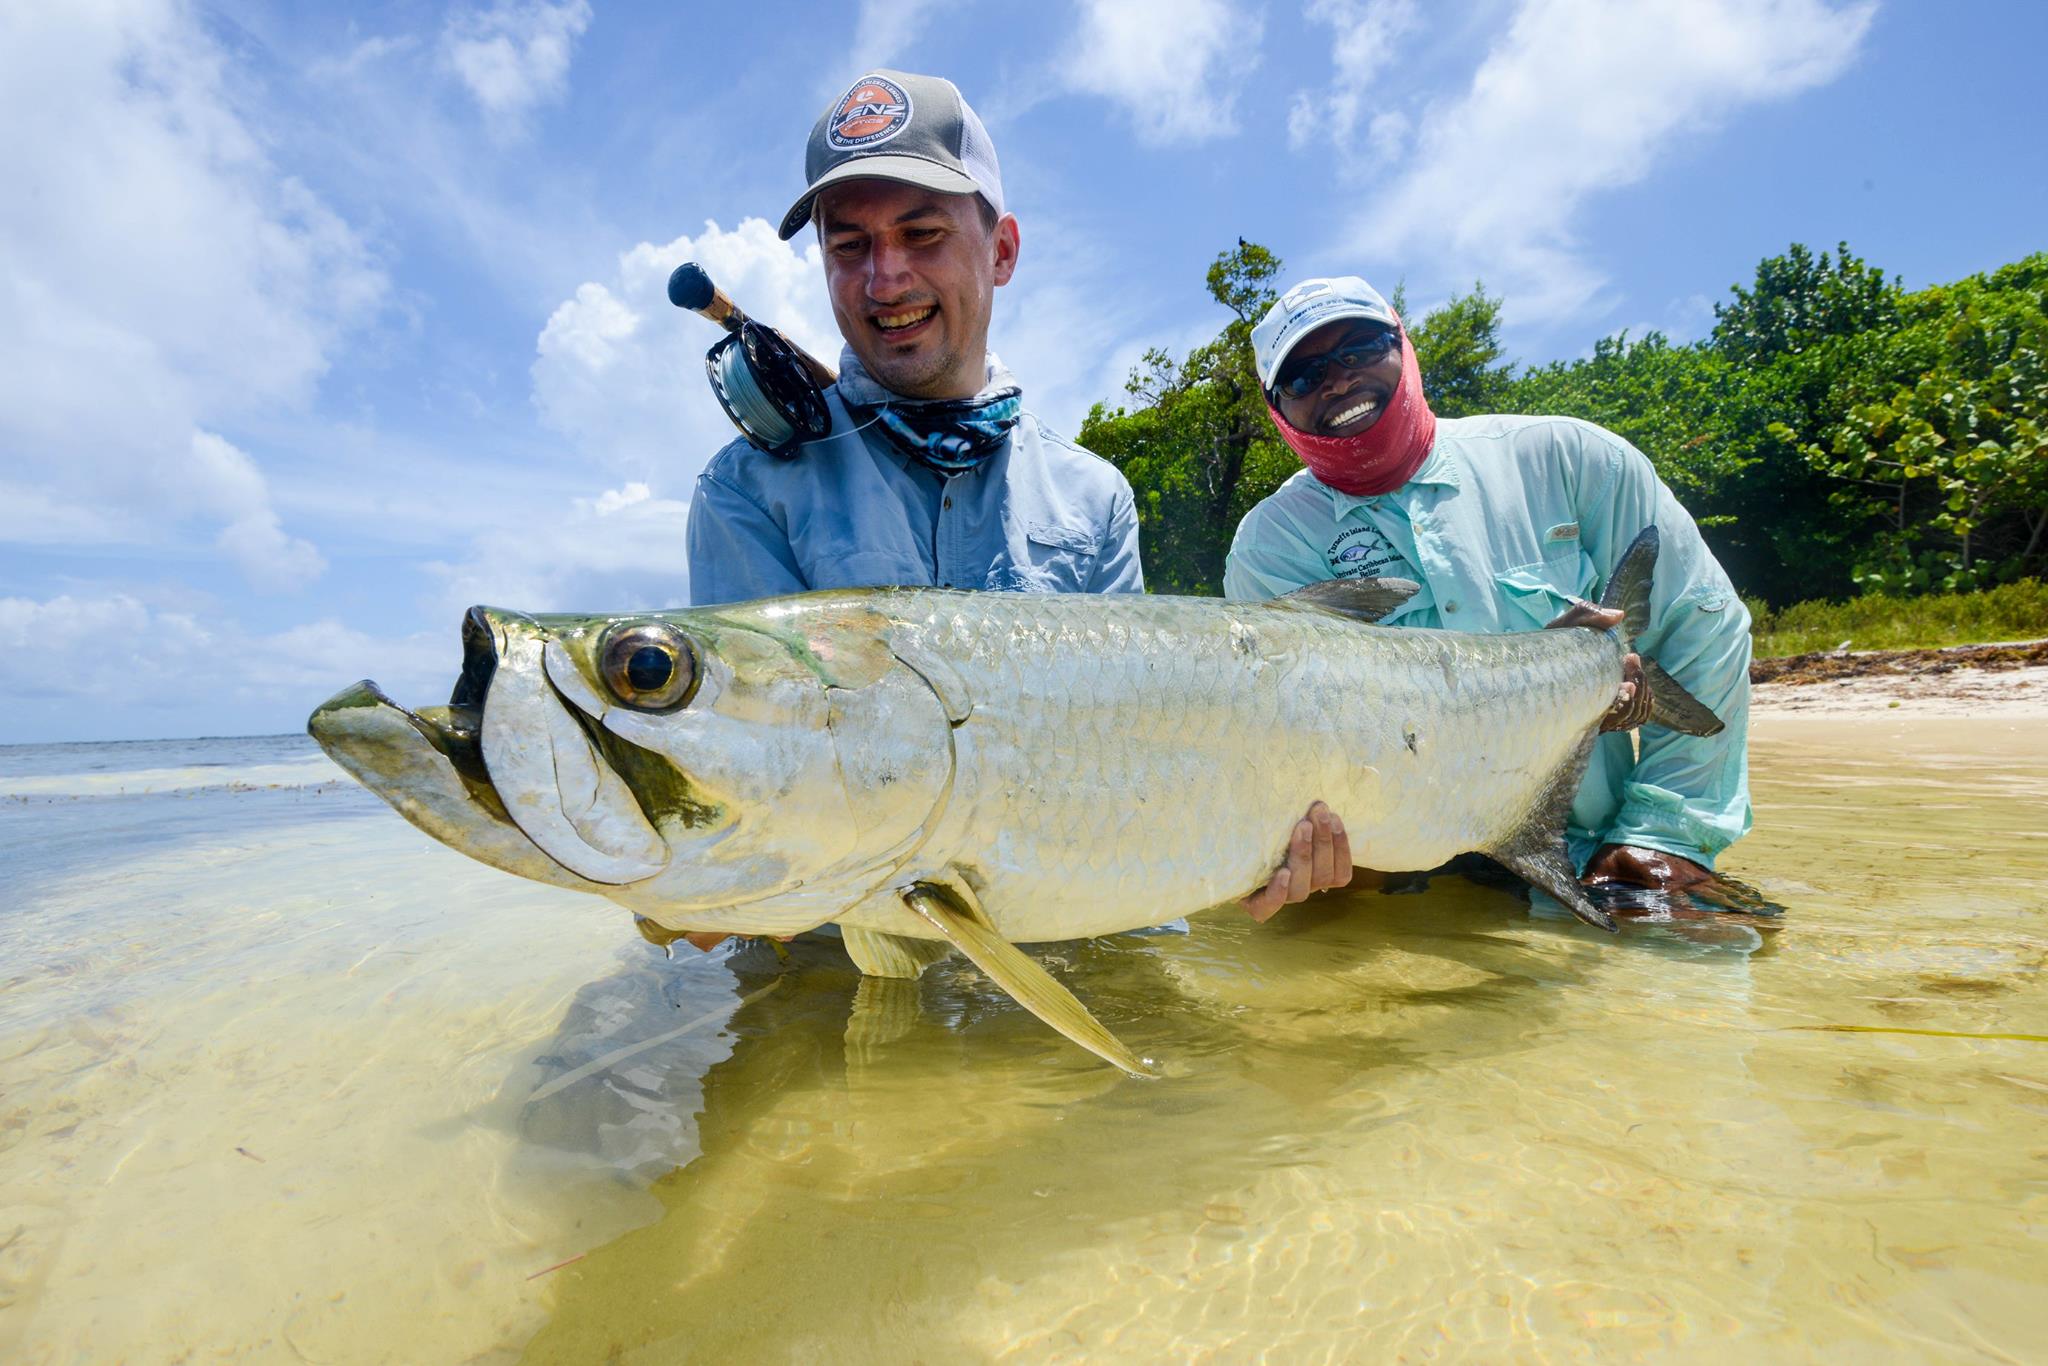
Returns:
(875, 110)
(1303, 292)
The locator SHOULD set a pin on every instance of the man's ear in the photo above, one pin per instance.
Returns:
(1004, 241)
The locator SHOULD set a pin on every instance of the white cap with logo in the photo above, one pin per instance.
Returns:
(1306, 307)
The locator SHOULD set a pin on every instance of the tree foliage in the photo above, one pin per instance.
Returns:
(1196, 443)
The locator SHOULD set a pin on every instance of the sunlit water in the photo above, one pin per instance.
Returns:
(281, 1079)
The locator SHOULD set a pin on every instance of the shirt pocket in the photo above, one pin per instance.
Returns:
(1057, 559)
(1532, 595)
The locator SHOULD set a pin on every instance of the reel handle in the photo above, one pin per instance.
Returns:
(690, 286)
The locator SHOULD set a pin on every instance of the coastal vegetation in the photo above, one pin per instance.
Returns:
(1868, 453)
(1883, 621)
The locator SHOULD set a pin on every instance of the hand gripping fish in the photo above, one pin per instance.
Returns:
(933, 770)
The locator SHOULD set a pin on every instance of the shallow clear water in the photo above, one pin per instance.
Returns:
(282, 1079)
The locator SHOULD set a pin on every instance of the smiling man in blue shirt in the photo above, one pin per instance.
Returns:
(933, 471)
(1504, 521)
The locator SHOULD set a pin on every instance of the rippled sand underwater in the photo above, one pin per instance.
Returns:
(281, 1079)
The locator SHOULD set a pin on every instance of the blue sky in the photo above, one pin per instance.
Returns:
(323, 322)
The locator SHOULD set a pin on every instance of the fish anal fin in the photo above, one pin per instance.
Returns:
(1535, 850)
(878, 954)
(1359, 599)
(1671, 705)
(1030, 985)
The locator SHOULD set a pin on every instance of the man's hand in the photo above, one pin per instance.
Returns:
(1632, 699)
(1630, 865)
(1318, 858)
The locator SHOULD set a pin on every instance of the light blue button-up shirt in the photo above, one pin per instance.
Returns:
(1507, 519)
(849, 511)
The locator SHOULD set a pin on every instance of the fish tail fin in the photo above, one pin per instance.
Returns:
(1535, 850)
(1629, 590)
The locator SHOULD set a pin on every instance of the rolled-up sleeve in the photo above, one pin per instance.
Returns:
(1686, 794)
(737, 550)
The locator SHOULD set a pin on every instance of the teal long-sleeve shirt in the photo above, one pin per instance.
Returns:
(1508, 519)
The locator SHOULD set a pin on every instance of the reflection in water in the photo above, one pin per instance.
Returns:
(1434, 1125)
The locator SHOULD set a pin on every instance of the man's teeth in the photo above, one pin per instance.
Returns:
(1354, 412)
(891, 322)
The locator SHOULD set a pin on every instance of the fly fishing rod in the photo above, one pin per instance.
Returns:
(771, 388)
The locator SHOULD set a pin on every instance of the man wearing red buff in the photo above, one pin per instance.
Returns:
(1505, 522)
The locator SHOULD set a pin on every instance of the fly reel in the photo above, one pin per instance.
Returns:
(771, 388)
(765, 389)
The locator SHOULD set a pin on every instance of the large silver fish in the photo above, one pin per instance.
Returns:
(934, 770)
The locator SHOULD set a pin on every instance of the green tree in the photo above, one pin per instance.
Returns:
(1799, 300)
(1458, 350)
(1195, 441)
(1942, 438)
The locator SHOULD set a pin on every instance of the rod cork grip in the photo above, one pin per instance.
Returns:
(689, 286)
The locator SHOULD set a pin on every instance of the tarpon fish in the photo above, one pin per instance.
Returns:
(932, 770)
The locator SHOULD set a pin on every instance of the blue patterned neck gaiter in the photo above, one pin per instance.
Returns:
(951, 436)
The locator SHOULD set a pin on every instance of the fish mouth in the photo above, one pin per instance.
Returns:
(515, 766)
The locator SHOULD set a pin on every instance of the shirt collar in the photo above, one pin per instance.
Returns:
(1441, 468)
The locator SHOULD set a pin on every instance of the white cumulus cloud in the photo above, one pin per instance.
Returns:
(623, 550)
(619, 374)
(101, 664)
(162, 280)
(513, 56)
(1175, 66)
(620, 370)
(1366, 36)
(1579, 97)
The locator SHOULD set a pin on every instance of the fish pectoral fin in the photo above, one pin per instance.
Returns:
(1359, 599)
(891, 955)
(1030, 985)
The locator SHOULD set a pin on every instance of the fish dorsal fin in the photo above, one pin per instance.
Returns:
(1359, 599)
(1030, 985)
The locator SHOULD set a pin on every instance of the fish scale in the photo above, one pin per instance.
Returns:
(1128, 758)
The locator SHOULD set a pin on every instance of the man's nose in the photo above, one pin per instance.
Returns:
(1340, 381)
(888, 272)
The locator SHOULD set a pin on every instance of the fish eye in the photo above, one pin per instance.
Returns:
(648, 666)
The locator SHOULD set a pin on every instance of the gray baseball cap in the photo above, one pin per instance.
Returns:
(1304, 308)
(892, 125)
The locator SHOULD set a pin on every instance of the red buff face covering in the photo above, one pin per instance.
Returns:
(1382, 457)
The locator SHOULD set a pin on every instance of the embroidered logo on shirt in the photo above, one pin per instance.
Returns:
(1363, 552)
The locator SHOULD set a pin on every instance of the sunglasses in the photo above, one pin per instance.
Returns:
(1356, 356)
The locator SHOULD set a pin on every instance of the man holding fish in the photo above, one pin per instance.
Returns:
(1505, 522)
(934, 472)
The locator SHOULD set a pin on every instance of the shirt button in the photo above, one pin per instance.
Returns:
(1451, 606)
(949, 500)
